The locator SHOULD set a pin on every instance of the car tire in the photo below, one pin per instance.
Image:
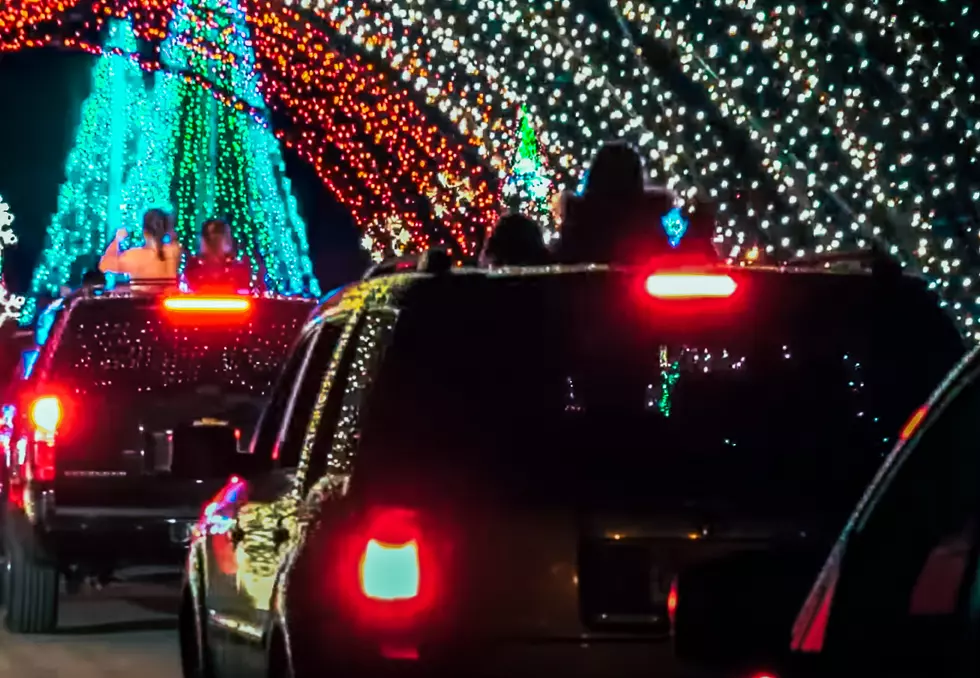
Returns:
(32, 587)
(195, 658)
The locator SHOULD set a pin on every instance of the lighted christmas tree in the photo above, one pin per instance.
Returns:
(91, 203)
(10, 304)
(212, 158)
(527, 188)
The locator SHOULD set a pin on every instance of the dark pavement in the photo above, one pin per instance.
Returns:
(128, 629)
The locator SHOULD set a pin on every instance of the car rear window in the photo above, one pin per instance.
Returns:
(133, 345)
(581, 388)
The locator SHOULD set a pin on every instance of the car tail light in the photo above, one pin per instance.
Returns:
(200, 304)
(46, 414)
(389, 567)
(690, 286)
(672, 601)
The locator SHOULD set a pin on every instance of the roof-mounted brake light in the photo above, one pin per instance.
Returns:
(690, 285)
(207, 304)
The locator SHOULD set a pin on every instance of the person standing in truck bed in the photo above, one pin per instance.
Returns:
(217, 267)
(157, 259)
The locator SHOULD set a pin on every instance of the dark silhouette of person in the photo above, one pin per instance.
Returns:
(93, 277)
(216, 267)
(516, 240)
(618, 220)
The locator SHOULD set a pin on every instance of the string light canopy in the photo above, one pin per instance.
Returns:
(809, 129)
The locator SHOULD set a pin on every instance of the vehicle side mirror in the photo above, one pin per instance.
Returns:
(737, 613)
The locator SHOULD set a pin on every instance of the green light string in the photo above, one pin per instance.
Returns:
(527, 188)
(90, 201)
(175, 147)
(229, 165)
(669, 374)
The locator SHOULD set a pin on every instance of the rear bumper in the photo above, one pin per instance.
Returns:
(108, 537)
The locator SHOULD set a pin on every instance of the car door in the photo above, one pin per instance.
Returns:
(270, 522)
(223, 535)
(899, 595)
(331, 449)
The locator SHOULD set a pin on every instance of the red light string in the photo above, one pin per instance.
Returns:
(337, 106)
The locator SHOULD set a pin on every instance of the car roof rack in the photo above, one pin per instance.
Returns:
(874, 260)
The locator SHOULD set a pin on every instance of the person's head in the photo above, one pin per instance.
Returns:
(516, 241)
(93, 277)
(616, 171)
(215, 238)
(156, 225)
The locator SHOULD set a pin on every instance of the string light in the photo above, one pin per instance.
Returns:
(810, 128)
(527, 188)
(225, 163)
(10, 304)
(352, 108)
(242, 355)
(194, 155)
(91, 205)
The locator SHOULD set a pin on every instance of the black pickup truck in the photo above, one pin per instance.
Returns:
(111, 429)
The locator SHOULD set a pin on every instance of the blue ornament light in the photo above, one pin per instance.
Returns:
(675, 226)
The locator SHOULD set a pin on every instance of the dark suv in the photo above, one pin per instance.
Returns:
(899, 595)
(109, 428)
(493, 472)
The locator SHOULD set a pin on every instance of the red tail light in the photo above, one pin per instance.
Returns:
(46, 414)
(389, 568)
(672, 601)
(690, 286)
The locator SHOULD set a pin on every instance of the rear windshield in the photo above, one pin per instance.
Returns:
(784, 397)
(133, 345)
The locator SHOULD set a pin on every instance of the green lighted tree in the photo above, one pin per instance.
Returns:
(91, 202)
(218, 160)
(527, 188)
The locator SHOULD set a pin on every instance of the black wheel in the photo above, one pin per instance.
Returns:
(31, 591)
(195, 660)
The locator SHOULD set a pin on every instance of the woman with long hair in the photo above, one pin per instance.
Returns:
(157, 259)
(618, 219)
(216, 267)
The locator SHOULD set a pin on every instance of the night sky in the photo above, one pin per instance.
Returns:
(41, 94)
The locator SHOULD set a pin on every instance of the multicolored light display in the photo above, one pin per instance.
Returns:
(221, 161)
(177, 147)
(10, 304)
(527, 188)
(91, 204)
(809, 128)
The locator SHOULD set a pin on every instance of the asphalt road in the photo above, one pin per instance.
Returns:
(127, 629)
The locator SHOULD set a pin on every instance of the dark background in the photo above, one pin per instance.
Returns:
(42, 95)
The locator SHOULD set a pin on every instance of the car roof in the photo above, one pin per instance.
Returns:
(403, 289)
